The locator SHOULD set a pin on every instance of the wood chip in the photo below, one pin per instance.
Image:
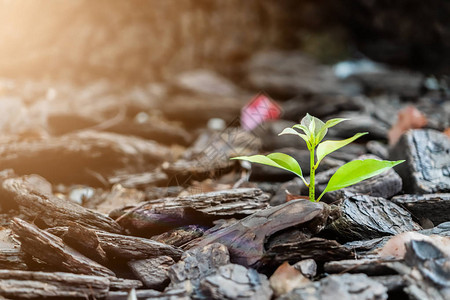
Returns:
(52, 250)
(245, 239)
(48, 209)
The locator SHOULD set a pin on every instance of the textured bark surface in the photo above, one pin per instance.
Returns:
(346, 286)
(12, 259)
(245, 239)
(434, 207)
(117, 245)
(314, 248)
(427, 167)
(156, 216)
(370, 267)
(40, 204)
(425, 271)
(82, 157)
(51, 250)
(26, 284)
(365, 217)
(236, 282)
(153, 272)
(180, 236)
(194, 265)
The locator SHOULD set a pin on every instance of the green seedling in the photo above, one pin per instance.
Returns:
(314, 130)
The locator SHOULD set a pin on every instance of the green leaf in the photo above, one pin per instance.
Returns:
(334, 122)
(306, 121)
(327, 147)
(286, 161)
(302, 127)
(330, 123)
(356, 171)
(277, 160)
(292, 131)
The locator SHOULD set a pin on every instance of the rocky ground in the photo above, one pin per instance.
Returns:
(111, 191)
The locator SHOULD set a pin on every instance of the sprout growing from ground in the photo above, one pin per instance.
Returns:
(314, 130)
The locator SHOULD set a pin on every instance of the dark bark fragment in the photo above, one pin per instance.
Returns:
(427, 167)
(86, 241)
(316, 248)
(365, 217)
(153, 272)
(419, 285)
(432, 262)
(365, 122)
(48, 209)
(434, 207)
(346, 286)
(156, 216)
(27, 284)
(51, 249)
(236, 282)
(245, 239)
(194, 265)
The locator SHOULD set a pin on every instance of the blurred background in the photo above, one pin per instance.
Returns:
(147, 40)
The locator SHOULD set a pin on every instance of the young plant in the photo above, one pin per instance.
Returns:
(314, 130)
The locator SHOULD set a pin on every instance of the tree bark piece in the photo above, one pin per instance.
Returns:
(245, 239)
(48, 209)
(364, 217)
(370, 267)
(314, 248)
(10, 255)
(120, 246)
(194, 265)
(434, 207)
(236, 282)
(53, 251)
(82, 157)
(124, 284)
(27, 284)
(153, 272)
(201, 209)
(346, 286)
(427, 167)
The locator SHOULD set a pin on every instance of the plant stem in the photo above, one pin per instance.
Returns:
(311, 176)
